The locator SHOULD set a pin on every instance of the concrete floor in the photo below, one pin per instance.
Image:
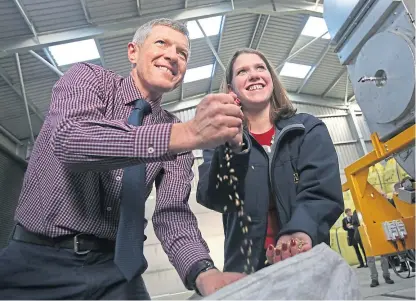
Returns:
(402, 289)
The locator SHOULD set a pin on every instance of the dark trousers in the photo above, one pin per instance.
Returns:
(29, 271)
(357, 251)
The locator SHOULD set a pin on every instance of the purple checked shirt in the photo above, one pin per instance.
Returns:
(74, 177)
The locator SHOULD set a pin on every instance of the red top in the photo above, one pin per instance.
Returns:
(272, 227)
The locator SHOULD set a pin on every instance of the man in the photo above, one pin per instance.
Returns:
(347, 224)
(80, 217)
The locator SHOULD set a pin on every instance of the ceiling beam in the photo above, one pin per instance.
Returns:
(295, 41)
(314, 67)
(112, 29)
(46, 63)
(25, 16)
(86, 11)
(255, 32)
(213, 50)
(22, 85)
(139, 10)
(262, 32)
(214, 68)
(334, 82)
(294, 54)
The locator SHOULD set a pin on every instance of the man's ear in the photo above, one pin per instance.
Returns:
(132, 52)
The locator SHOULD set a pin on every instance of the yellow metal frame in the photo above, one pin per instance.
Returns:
(371, 205)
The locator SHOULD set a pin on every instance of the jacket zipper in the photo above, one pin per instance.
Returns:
(276, 192)
(276, 196)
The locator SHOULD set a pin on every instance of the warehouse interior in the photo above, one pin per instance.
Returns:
(316, 62)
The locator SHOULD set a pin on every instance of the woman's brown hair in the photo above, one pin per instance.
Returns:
(281, 106)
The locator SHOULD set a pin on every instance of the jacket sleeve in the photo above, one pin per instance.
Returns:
(344, 224)
(214, 185)
(319, 202)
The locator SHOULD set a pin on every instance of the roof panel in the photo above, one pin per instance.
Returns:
(279, 36)
(172, 96)
(155, 6)
(52, 15)
(39, 92)
(193, 3)
(20, 127)
(109, 10)
(201, 54)
(115, 54)
(12, 23)
(196, 88)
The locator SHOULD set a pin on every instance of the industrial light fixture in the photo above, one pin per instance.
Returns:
(295, 70)
(315, 27)
(198, 73)
(74, 52)
(210, 25)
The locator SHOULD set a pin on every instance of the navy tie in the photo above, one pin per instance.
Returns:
(130, 235)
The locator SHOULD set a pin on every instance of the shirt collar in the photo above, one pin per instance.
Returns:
(129, 93)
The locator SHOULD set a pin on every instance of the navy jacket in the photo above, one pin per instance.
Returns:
(301, 174)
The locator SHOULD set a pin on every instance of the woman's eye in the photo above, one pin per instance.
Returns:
(241, 72)
(261, 68)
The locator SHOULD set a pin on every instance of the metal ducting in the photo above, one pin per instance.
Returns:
(375, 39)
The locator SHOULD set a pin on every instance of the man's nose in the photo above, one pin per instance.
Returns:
(171, 54)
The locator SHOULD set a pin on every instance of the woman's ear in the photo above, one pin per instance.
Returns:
(230, 88)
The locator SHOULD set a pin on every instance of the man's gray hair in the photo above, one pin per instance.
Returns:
(143, 31)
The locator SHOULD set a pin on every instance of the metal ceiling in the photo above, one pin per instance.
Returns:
(30, 26)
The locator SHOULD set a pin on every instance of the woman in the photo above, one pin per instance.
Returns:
(279, 190)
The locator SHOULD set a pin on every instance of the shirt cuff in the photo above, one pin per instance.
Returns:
(186, 257)
(152, 141)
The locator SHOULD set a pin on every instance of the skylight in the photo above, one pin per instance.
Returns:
(74, 52)
(295, 70)
(198, 73)
(210, 25)
(315, 27)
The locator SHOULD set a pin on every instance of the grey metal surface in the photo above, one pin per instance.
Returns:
(391, 53)
(374, 19)
(11, 178)
(338, 14)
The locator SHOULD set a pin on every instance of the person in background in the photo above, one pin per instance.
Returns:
(279, 176)
(371, 260)
(352, 233)
(106, 140)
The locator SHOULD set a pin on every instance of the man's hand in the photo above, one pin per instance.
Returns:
(236, 142)
(217, 120)
(288, 246)
(212, 280)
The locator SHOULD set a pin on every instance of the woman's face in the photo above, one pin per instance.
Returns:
(251, 81)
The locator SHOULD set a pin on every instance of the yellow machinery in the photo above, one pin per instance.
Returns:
(375, 41)
(373, 208)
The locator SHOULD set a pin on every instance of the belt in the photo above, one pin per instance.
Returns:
(81, 243)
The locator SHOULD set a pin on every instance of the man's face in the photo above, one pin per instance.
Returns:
(160, 61)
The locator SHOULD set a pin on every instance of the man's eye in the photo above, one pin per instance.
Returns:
(183, 54)
(161, 42)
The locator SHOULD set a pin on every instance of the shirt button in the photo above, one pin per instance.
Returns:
(109, 208)
(150, 150)
(118, 178)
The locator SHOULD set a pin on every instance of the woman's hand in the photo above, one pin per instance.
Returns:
(288, 246)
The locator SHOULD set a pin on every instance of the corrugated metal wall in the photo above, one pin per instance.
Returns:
(11, 178)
